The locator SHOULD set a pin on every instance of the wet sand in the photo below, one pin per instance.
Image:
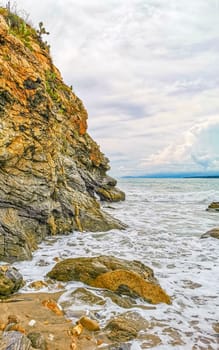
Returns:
(33, 315)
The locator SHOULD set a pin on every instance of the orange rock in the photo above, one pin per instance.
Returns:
(149, 291)
(38, 284)
(57, 259)
(90, 325)
(2, 326)
(17, 328)
(68, 320)
(99, 342)
(12, 319)
(77, 330)
(73, 345)
(53, 306)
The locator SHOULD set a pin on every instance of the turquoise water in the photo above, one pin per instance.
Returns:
(166, 218)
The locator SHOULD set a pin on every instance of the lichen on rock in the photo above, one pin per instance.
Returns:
(50, 168)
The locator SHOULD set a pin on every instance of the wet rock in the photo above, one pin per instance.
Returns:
(131, 278)
(37, 340)
(90, 325)
(150, 341)
(90, 268)
(38, 285)
(125, 346)
(10, 280)
(214, 206)
(82, 296)
(212, 233)
(15, 341)
(53, 306)
(122, 300)
(215, 327)
(109, 195)
(175, 336)
(125, 327)
(51, 169)
(130, 283)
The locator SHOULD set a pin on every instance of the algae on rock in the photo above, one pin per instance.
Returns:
(50, 168)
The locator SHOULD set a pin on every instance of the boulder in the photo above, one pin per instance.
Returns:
(37, 340)
(215, 327)
(121, 300)
(83, 298)
(89, 324)
(125, 327)
(15, 341)
(10, 280)
(52, 171)
(214, 206)
(121, 276)
(212, 233)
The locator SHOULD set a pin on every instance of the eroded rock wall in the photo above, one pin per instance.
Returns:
(50, 168)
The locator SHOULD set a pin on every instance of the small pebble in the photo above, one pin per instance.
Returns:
(32, 323)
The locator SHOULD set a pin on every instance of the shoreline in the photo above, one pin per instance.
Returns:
(32, 316)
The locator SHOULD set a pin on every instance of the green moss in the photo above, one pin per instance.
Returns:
(51, 85)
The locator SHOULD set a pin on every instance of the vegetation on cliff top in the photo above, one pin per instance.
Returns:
(20, 27)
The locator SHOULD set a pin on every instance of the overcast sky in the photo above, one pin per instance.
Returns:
(148, 74)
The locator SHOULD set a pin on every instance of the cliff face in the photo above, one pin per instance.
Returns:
(50, 168)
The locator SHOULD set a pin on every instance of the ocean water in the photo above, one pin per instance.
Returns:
(166, 218)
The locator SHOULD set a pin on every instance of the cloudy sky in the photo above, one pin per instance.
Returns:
(148, 74)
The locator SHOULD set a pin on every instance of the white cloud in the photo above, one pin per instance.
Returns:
(198, 148)
(147, 72)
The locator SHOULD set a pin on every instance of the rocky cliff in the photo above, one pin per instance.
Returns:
(51, 171)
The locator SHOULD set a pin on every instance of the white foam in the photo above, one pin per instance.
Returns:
(166, 219)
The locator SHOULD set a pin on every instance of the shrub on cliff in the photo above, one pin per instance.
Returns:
(19, 26)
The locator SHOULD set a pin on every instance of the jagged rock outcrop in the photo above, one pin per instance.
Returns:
(118, 275)
(50, 168)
